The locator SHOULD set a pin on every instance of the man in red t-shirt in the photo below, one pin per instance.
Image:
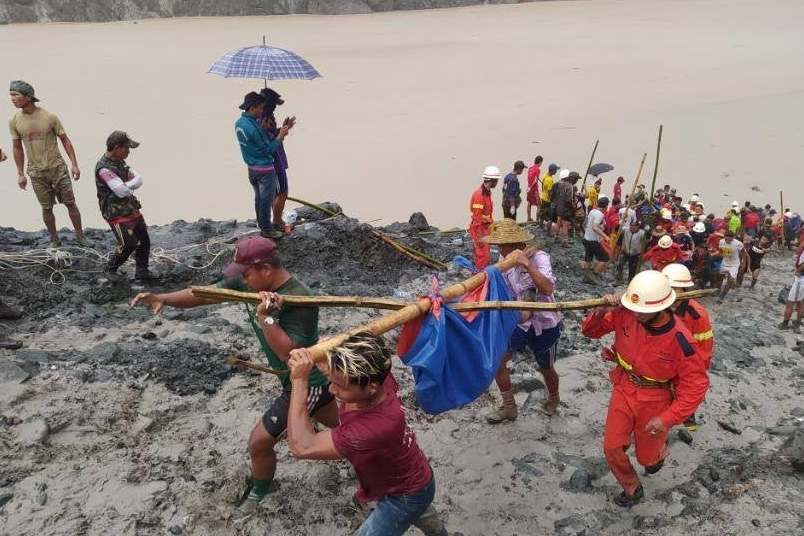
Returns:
(534, 176)
(372, 435)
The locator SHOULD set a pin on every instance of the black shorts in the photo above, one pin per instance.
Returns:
(594, 250)
(275, 420)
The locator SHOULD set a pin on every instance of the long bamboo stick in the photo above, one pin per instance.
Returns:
(234, 361)
(404, 249)
(591, 159)
(225, 295)
(656, 164)
(636, 181)
(781, 202)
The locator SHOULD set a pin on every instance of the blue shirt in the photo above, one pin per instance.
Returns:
(511, 186)
(256, 148)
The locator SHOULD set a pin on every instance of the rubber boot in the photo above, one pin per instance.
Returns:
(627, 501)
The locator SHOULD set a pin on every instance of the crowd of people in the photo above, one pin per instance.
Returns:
(662, 345)
(640, 229)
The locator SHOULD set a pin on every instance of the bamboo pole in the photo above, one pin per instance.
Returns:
(591, 160)
(225, 295)
(781, 202)
(236, 362)
(560, 306)
(656, 164)
(636, 181)
(404, 249)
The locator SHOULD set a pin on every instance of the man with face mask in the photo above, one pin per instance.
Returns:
(660, 378)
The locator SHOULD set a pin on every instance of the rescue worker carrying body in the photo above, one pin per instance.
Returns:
(694, 317)
(481, 208)
(660, 378)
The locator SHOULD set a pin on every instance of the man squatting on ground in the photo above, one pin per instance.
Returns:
(531, 279)
(659, 381)
(372, 435)
(279, 329)
(116, 182)
(34, 131)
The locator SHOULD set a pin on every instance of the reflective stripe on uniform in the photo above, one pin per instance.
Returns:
(628, 367)
(703, 336)
(478, 205)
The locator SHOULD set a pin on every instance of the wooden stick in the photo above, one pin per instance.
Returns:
(404, 249)
(591, 159)
(560, 306)
(636, 181)
(656, 165)
(781, 202)
(236, 362)
(225, 295)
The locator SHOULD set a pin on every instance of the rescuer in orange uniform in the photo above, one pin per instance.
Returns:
(695, 317)
(481, 208)
(660, 379)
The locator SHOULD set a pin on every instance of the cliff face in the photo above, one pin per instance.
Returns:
(110, 10)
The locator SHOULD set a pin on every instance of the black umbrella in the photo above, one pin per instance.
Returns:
(600, 168)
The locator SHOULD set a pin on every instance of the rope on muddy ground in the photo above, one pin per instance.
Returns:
(60, 261)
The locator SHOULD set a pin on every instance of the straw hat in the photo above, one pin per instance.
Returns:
(506, 231)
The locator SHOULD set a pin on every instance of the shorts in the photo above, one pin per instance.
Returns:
(731, 270)
(275, 420)
(544, 346)
(796, 291)
(756, 263)
(566, 214)
(546, 210)
(282, 178)
(51, 185)
(594, 250)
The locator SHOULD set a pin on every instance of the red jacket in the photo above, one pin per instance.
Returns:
(659, 354)
(480, 206)
(696, 319)
(660, 257)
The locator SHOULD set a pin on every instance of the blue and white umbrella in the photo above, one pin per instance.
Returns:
(266, 62)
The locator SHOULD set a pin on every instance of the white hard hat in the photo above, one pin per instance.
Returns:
(666, 213)
(563, 174)
(491, 173)
(735, 204)
(701, 205)
(695, 198)
(665, 242)
(788, 214)
(679, 275)
(648, 292)
(685, 206)
(699, 227)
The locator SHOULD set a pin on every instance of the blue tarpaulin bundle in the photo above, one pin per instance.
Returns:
(454, 357)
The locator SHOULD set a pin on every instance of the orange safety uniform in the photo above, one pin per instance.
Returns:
(660, 257)
(481, 209)
(659, 374)
(696, 319)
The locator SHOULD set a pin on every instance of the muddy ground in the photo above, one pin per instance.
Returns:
(114, 421)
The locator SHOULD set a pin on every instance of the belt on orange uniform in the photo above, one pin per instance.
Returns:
(641, 381)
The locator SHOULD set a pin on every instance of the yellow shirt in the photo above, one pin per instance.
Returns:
(38, 132)
(547, 185)
(591, 195)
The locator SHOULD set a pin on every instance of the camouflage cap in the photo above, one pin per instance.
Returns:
(23, 88)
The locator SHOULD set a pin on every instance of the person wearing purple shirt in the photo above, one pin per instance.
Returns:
(531, 279)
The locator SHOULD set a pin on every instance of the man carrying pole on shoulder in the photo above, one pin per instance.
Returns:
(279, 329)
(660, 377)
(372, 435)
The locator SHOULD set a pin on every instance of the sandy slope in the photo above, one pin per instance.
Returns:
(414, 104)
(126, 454)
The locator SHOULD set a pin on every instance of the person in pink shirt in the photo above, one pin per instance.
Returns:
(534, 178)
(531, 279)
(618, 188)
(373, 435)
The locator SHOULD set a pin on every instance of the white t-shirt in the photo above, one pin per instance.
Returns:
(730, 252)
(595, 217)
(629, 214)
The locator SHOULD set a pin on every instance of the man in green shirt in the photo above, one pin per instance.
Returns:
(279, 329)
